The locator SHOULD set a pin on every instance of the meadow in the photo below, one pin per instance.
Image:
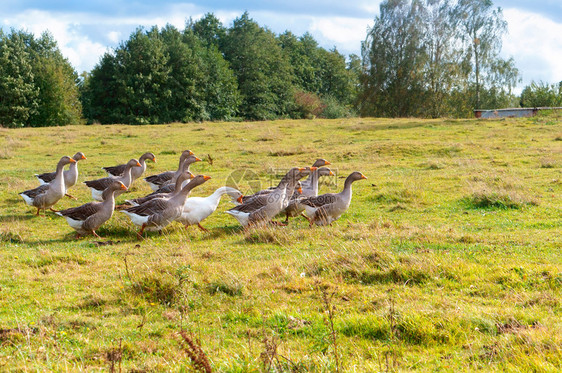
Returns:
(448, 259)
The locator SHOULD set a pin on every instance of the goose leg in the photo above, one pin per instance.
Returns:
(69, 196)
(77, 235)
(95, 234)
(311, 222)
(53, 210)
(304, 216)
(139, 234)
(202, 228)
(248, 227)
(38, 209)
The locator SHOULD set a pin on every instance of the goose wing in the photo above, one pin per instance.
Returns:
(115, 170)
(151, 207)
(100, 184)
(81, 213)
(33, 193)
(252, 204)
(47, 177)
(160, 178)
(151, 196)
(168, 188)
(319, 201)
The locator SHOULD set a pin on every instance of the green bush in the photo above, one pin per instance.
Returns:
(334, 109)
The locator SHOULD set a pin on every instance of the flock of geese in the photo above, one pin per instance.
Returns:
(170, 199)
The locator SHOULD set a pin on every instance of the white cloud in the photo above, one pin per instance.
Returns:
(370, 7)
(84, 37)
(76, 45)
(83, 54)
(114, 36)
(345, 33)
(342, 30)
(535, 44)
(80, 51)
(533, 38)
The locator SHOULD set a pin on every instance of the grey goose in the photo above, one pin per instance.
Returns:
(156, 181)
(70, 175)
(99, 185)
(87, 218)
(262, 208)
(326, 208)
(136, 172)
(159, 212)
(46, 195)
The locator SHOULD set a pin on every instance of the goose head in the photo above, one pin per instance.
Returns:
(148, 155)
(321, 162)
(78, 156)
(133, 163)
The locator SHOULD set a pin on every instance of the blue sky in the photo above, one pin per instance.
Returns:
(85, 30)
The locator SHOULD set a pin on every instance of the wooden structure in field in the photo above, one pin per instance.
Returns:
(511, 112)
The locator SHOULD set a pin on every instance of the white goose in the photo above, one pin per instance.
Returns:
(196, 209)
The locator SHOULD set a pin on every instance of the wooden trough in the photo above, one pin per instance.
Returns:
(511, 112)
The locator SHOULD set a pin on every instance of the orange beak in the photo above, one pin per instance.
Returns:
(363, 176)
(301, 169)
(123, 186)
(327, 163)
(299, 190)
(72, 160)
(190, 152)
(154, 159)
(240, 199)
(197, 159)
(313, 168)
(138, 164)
(206, 177)
(83, 156)
(331, 173)
(191, 176)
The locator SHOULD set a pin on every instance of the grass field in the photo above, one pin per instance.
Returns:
(449, 258)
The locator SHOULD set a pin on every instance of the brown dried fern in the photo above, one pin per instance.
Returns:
(193, 350)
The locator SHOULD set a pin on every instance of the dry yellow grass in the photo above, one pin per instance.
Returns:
(422, 273)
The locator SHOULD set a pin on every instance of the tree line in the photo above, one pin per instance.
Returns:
(424, 58)
(38, 86)
(436, 58)
(209, 72)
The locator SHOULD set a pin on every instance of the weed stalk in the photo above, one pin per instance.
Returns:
(330, 310)
(195, 352)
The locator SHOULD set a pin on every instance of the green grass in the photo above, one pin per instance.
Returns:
(449, 258)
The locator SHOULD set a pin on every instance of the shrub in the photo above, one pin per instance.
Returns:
(308, 105)
(334, 109)
(541, 94)
(155, 289)
(490, 197)
(229, 287)
(498, 191)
